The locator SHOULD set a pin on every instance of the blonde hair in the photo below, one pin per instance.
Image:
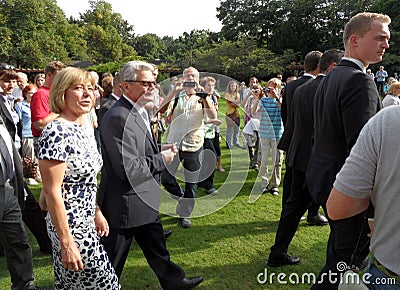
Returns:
(62, 81)
(361, 23)
(206, 80)
(276, 82)
(393, 87)
(228, 88)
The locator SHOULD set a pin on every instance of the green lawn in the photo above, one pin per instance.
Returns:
(229, 246)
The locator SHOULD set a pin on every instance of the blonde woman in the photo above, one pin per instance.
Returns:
(232, 97)
(69, 163)
(392, 97)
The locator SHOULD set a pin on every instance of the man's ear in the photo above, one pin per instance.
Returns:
(353, 41)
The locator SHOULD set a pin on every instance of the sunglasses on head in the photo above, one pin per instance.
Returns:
(6, 66)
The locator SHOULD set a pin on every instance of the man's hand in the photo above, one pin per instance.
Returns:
(101, 223)
(168, 155)
(169, 146)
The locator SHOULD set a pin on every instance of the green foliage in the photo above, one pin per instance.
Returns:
(258, 37)
(150, 46)
(35, 32)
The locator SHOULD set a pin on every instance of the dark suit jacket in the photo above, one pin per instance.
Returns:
(106, 104)
(345, 100)
(299, 151)
(7, 118)
(287, 111)
(18, 179)
(129, 193)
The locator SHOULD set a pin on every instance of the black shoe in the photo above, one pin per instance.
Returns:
(167, 233)
(255, 167)
(283, 260)
(317, 220)
(188, 283)
(185, 222)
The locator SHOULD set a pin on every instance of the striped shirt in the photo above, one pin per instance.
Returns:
(271, 126)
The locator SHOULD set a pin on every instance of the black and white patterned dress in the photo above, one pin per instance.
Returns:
(69, 142)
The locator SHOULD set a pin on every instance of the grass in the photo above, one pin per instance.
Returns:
(229, 247)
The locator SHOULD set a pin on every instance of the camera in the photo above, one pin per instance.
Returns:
(189, 84)
(266, 90)
(257, 91)
(202, 95)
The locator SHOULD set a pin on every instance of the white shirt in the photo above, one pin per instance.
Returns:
(142, 111)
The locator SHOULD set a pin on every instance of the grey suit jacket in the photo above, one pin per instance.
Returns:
(17, 181)
(345, 100)
(129, 193)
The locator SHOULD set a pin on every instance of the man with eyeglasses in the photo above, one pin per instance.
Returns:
(129, 193)
(187, 111)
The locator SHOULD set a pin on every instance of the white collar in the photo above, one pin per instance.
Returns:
(357, 62)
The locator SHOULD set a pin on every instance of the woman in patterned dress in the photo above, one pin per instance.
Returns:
(69, 163)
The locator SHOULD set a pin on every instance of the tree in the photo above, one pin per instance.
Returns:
(150, 46)
(34, 32)
(299, 25)
(107, 34)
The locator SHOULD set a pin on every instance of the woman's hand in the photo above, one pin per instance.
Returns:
(42, 201)
(71, 257)
(101, 223)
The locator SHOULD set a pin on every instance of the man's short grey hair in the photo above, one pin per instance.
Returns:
(23, 75)
(130, 70)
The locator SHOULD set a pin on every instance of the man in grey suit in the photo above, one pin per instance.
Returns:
(13, 238)
(345, 100)
(129, 193)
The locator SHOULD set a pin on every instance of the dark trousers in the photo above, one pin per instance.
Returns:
(206, 177)
(380, 86)
(151, 240)
(13, 238)
(216, 144)
(34, 219)
(287, 186)
(191, 163)
(342, 242)
(292, 211)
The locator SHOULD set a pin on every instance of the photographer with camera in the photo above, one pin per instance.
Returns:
(188, 109)
(268, 103)
(251, 122)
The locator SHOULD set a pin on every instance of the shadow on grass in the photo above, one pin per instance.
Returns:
(234, 273)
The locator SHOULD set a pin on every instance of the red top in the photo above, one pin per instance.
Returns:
(40, 107)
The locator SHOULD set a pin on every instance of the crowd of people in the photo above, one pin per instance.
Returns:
(72, 124)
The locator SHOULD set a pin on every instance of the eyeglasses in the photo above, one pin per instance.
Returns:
(144, 83)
